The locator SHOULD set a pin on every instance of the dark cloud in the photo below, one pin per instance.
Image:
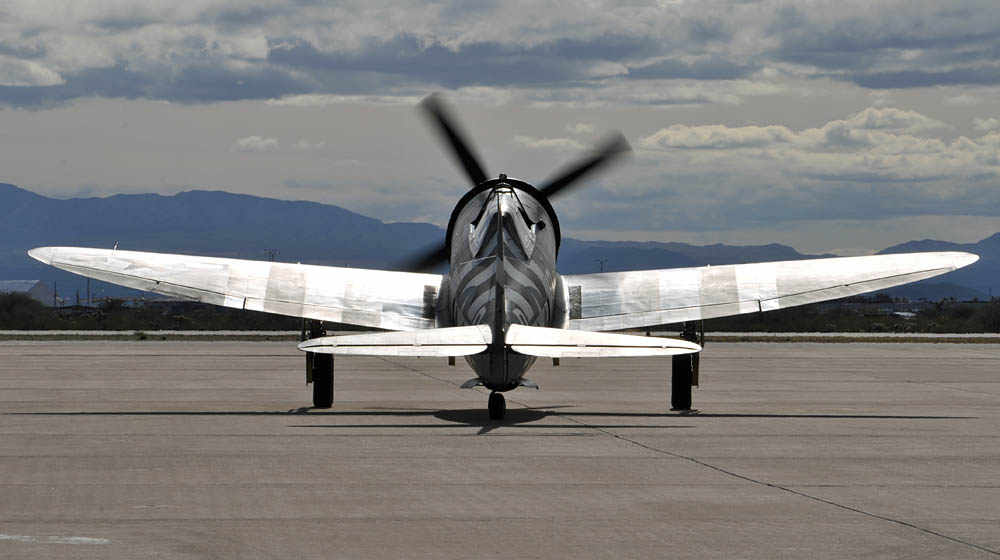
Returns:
(26, 51)
(204, 82)
(703, 29)
(243, 14)
(710, 68)
(296, 67)
(602, 47)
(888, 63)
(853, 37)
(561, 62)
(919, 78)
(105, 82)
(190, 84)
(831, 59)
(889, 48)
(986, 51)
(123, 22)
(213, 52)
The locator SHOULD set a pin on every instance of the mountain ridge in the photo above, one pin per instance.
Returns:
(983, 276)
(207, 222)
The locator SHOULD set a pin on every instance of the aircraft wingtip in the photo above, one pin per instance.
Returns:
(967, 259)
(43, 254)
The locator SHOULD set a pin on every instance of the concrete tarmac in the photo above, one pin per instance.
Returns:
(203, 450)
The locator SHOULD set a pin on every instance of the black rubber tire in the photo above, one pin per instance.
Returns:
(322, 380)
(497, 406)
(680, 386)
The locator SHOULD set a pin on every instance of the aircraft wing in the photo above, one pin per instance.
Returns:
(371, 298)
(622, 300)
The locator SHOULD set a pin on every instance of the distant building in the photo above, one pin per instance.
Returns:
(35, 288)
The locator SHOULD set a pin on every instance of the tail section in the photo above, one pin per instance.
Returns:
(562, 343)
(452, 341)
(522, 339)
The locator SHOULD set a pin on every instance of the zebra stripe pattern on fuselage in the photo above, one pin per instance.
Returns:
(503, 255)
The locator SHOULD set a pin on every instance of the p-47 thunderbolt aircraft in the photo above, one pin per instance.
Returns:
(502, 304)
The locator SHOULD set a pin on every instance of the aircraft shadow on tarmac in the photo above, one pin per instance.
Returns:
(531, 417)
(476, 417)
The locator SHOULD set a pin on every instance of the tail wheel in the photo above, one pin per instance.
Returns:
(497, 406)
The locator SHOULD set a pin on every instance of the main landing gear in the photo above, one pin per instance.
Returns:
(497, 406)
(680, 382)
(322, 380)
(319, 367)
(685, 369)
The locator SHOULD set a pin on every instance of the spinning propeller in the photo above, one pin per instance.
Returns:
(448, 128)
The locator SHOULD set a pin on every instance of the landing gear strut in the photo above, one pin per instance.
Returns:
(680, 382)
(685, 370)
(322, 380)
(319, 367)
(497, 406)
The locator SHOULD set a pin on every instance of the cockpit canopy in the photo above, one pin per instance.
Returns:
(521, 229)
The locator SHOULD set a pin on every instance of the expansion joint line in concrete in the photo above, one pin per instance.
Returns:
(937, 385)
(424, 373)
(776, 486)
(730, 473)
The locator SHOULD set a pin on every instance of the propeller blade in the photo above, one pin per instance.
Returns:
(610, 150)
(447, 125)
(426, 261)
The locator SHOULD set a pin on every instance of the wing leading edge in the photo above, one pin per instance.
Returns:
(371, 298)
(622, 300)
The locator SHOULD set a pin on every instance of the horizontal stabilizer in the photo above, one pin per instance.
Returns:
(452, 341)
(562, 343)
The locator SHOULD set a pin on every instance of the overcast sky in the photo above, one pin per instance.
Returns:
(834, 126)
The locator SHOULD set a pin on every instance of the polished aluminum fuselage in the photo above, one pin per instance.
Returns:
(503, 242)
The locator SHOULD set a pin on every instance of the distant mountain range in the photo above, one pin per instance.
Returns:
(241, 226)
(980, 280)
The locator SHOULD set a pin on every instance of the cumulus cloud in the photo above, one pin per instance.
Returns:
(555, 144)
(871, 165)
(581, 128)
(989, 123)
(15, 72)
(962, 99)
(889, 128)
(716, 136)
(890, 118)
(254, 144)
(881, 98)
